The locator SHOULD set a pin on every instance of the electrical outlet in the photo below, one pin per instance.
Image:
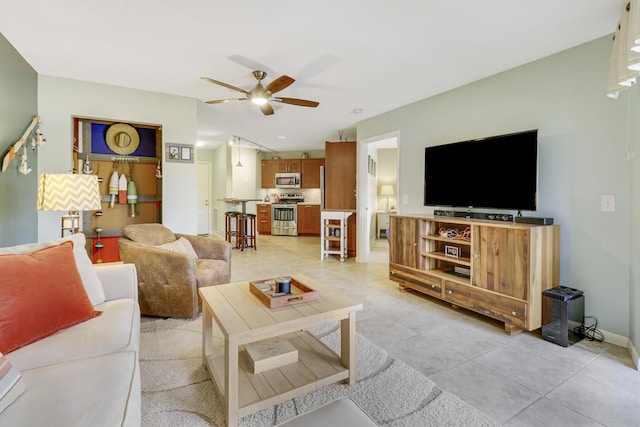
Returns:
(608, 203)
(405, 199)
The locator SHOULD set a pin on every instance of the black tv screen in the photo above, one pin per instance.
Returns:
(499, 172)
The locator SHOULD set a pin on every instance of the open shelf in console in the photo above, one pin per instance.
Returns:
(444, 250)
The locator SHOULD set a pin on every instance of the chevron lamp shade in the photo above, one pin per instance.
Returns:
(68, 192)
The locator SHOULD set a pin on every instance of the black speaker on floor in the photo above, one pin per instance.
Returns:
(562, 315)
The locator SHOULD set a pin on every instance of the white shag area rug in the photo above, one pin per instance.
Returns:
(177, 391)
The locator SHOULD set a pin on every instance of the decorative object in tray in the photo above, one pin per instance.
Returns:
(273, 292)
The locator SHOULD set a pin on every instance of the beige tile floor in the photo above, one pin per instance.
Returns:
(519, 380)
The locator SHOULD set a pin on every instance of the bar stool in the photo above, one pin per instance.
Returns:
(247, 233)
(231, 219)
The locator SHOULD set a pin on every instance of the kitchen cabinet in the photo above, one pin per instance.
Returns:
(308, 220)
(288, 165)
(264, 218)
(340, 184)
(498, 269)
(269, 173)
(310, 175)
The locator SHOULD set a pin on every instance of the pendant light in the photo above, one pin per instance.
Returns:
(239, 164)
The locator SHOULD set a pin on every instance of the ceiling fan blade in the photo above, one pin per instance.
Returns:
(223, 101)
(280, 83)
(296, 101)
(266, 109)
(228, 86)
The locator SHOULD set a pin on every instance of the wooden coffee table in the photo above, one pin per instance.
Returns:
(243, 319)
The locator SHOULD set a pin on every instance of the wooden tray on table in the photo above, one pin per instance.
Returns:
(299, 293)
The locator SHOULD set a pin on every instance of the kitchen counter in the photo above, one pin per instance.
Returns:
(243, 202)
(299, 203)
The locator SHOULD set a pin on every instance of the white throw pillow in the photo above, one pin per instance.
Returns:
(182, 245)
(90, 280)
(11, 384)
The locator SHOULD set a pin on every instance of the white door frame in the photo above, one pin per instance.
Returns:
(362, 208)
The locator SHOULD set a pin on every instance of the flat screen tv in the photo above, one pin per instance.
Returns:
(499, 172)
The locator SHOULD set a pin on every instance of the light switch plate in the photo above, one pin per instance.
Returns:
(608, 203)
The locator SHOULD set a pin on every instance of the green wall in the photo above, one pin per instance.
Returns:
(18, 105)
(584, 138)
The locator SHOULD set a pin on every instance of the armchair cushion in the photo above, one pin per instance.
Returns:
(148, 234)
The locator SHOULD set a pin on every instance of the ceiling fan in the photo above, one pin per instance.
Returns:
(261, 96)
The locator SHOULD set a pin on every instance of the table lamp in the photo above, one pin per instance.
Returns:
(387, 190)
(68, 192)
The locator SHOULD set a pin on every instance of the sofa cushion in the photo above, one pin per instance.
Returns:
(148, 234)
(11, 384)
(181, 245)
(118, 329)
(40, 293)
(97, 391)
(90, 280)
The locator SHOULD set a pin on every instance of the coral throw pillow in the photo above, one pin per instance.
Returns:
(40, 293)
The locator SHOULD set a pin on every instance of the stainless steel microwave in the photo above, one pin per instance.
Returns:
(288, 180)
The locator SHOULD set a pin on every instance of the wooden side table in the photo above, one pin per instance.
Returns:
(242, 318)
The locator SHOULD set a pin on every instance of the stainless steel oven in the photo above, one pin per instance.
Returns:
(284, 219)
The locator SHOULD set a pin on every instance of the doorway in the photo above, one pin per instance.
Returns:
(368, 200)
(202, 198)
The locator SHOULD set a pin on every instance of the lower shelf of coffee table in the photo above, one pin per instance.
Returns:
(316, 367)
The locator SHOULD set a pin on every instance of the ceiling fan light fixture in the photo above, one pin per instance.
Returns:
(259, 100)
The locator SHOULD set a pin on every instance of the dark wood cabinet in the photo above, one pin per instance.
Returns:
(288, 165)
(269, 173)
(264, 218)
(340, 184)
(309, 220)
(310, 175)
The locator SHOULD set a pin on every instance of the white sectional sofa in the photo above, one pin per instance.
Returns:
(87, 374)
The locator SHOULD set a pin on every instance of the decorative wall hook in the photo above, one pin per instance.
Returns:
(13, 151)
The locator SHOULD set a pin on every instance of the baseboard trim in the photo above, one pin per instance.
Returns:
(634, 355)
(625, 342)
(615, 339)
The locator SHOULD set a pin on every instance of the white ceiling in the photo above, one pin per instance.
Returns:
(373, 55)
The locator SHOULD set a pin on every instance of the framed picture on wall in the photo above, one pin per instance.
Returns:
(178, 152)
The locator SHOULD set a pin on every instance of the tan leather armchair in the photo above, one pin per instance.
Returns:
(168, 282)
